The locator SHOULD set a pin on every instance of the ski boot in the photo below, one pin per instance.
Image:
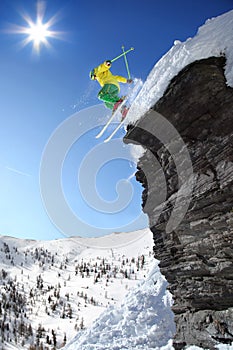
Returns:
(118, 103)
(124, 112)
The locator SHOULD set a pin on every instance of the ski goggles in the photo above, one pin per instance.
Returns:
(92, 74)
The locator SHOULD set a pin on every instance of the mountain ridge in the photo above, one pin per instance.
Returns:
(51, 289)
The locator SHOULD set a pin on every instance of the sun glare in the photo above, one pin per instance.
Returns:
(37, 32)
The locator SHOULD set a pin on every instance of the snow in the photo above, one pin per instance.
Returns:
(131, 313)
(83, 292)
(220, 347)
(144, 320)
(214, 38)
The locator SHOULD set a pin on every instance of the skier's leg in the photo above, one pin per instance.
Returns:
(109, 95)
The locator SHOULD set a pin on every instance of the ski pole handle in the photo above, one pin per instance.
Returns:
(124, 53)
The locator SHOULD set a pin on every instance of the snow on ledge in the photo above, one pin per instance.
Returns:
(214, 38)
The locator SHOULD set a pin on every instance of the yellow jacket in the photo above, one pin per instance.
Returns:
(104, 76)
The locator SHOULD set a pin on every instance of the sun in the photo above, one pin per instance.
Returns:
(37, 32)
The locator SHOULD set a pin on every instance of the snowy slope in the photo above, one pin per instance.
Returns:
(214, 38)
(143, 321)
(51, 289)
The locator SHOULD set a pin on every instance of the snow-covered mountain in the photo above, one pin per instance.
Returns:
(50, 290)
(143, 320)
(104, 297)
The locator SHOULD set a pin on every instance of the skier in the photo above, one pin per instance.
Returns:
(110, 85)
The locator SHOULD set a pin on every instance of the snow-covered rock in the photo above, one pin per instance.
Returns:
(214, 38)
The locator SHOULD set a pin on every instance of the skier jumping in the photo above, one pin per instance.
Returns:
(110, 85)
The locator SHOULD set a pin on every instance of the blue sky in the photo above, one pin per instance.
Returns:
(41, 91)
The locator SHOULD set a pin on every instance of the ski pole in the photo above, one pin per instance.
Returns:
(126, 62)
(123, 54)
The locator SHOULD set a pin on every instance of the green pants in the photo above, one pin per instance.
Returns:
(109, 95)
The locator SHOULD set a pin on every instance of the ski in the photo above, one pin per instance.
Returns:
(115, 131)
(105, 127)
(109, 121)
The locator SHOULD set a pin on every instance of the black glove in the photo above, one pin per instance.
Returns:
(129, 81)
(108, 62)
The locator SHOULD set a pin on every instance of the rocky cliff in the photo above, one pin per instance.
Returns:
(196, 257)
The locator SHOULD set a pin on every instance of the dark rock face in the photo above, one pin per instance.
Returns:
(197, 256)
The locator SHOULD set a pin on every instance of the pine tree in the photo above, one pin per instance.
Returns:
(29, 330)
(70, 311)
(82, 324)
(54, 338)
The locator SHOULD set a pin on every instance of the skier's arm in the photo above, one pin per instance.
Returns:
(121, 79)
